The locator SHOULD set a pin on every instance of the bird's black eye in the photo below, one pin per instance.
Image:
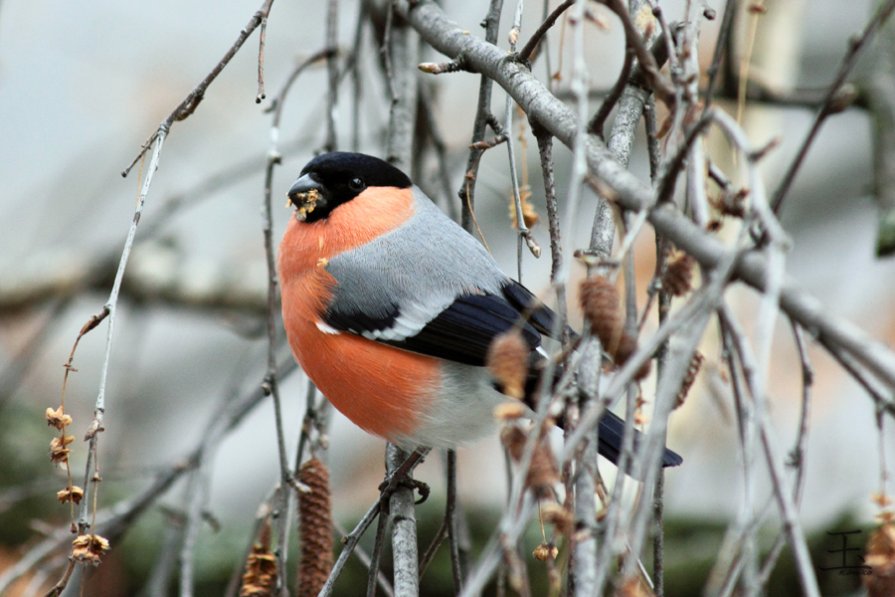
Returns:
(356, 184)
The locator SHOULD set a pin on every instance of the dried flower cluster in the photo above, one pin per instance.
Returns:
(59, 449)
(59, 452)
(529, 213)
(57, 418)
(881, 558)
(507, 361)
(601, 306)
(315, 520)
(545, 551)
(260, 576)
(89, 549)
(72, 493)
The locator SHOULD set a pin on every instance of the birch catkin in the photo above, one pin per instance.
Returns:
(315, 520)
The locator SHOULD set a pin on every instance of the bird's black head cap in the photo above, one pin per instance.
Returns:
(334, 178)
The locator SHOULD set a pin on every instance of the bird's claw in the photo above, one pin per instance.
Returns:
(391, 485)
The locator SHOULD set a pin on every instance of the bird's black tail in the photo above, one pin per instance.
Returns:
(612, 427)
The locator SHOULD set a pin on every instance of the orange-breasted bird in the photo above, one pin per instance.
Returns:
(390, 307)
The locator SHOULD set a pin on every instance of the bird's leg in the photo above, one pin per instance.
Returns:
(401, 478)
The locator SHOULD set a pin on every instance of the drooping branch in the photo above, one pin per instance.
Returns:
(189, 104)
(834, 101)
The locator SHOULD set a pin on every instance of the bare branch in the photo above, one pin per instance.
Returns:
(833, 102)
(483, 114)
(186, 108)
(528, 50)
(632, 194)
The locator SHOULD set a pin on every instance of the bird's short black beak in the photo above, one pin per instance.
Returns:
(306, 194)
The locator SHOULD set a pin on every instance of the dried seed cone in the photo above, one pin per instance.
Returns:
(600, 304)
(690, 377)
(315, 520)
(627, 346)
(543, 474)
(678, 278)
(881, 558)
(508, 362)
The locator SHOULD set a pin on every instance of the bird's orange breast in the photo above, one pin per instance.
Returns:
(382, 389)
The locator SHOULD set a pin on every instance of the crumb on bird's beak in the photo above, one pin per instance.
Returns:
(304, 202)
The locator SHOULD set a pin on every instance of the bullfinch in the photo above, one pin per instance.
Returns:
(390, 307)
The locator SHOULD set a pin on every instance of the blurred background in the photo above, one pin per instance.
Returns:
(83, 86)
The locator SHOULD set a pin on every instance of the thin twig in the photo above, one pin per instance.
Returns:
(91, 469)
(531, 45)
(349, 542)
(332, 70)
(595, 126)
(545, 153)
(262, 42)
(719, 54)
(279, 99)
(673, 164)
(378, 545)
(483, 113)
(830, 105)
(786, 508)
(353, 67)
(796, 458)
(524, 233)
(663, 89)
(429, 554)
(435, 136)
(270, 384)
(186, 108)
(452, 522)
